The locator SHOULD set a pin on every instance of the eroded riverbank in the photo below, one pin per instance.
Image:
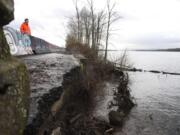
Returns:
(62, 96)
(46, 77)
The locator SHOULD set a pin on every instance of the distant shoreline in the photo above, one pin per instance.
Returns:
(150, 50)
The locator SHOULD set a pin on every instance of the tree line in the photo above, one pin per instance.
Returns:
(92, 28)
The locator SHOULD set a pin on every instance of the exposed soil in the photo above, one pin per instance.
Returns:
(68, 109)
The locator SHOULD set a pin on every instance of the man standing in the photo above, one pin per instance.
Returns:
(25, 29)
(25, 41)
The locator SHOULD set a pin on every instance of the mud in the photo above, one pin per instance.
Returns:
(46, 75)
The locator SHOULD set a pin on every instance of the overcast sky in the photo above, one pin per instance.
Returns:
(144, 23)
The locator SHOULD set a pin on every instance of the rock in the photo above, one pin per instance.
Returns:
(6, 11)
(56, 131)
(14, 82)
(57, 105)
(14, 98)
(4, 48)
(116, 118)
(6, 15)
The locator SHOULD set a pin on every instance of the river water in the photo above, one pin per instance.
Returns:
(157, 96)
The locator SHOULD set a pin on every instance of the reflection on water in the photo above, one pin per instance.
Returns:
(157, 96)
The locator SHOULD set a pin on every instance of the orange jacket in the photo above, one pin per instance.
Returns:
(25, 29)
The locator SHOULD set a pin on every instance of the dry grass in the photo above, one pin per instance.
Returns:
(80, 87)
(95, 70)
(76, 47)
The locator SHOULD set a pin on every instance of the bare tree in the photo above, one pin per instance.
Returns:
(91, 4)
(85, 16)
(100, 26)
(111, 18)
(91, 28)
(72, 26)
(78, 19)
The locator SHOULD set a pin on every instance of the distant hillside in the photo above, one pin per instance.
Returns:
(167, 50)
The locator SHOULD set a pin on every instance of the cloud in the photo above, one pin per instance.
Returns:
(160, 40)
(145, 23)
